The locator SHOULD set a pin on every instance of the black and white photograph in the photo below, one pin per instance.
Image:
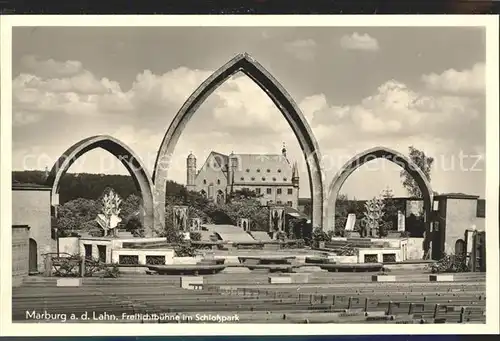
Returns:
(250, 173)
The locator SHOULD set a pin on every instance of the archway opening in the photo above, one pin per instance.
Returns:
(380, 179)
(85, 173)
(33, 256)
(394, 157)
(460, 247)
(278, 97)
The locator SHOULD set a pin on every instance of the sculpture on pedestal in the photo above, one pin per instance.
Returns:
(276, 219)
(109, 218)
(374, 210)
(180, 218)
(195, 224)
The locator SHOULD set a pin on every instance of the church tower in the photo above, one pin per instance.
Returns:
(295, 181)
(191, 172)
(295, 175)
(283, 152)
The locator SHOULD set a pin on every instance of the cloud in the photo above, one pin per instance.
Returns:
(358, 41)
(50, 67)
(304, 49)
(395, 112)
(238, 117)
(470, 81)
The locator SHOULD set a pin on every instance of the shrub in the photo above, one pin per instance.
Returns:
(450, 263)
(405, 234)
(319, 235)
(281, 235)
(155, 260)
(371, 259)
(67, 266)
(195, 236)
(134, 226)
(110, 271)
(128, 259)
(184, 250)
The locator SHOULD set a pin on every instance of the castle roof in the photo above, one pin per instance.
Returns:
(266, 168)
(258, 168)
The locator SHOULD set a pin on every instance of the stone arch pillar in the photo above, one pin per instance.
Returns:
(284, 102)
(123, 153)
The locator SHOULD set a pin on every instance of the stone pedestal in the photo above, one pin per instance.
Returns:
(69, 282)
(191, 282)
(280, 280)
(441, 278)
(383, 278)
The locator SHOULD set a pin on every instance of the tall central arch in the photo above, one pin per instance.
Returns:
(124, 154)
(283, 101)
(390, 155)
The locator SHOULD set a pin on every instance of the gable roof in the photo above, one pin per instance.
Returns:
(262, 168)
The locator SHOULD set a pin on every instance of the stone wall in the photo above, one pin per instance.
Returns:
(20, 254)
(31, 206)
(415, 248)
(460, 216)
(69, 245)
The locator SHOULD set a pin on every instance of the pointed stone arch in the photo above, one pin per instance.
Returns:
(283, 101)
(124, 154)
(373, 154)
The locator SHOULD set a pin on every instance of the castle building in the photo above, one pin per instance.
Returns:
(272, 176)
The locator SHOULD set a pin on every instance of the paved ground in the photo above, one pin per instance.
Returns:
(328, 297)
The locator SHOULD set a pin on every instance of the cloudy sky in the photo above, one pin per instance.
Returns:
(357, 87)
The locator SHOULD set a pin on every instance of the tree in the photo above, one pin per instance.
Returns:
(246, 208)
(422, 161)
(134, 226)
(341, 212)
(75, 213)
(245, 193)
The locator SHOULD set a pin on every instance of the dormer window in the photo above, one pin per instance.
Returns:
(258, 170)
(248, 170)
(242, 178)
(253, 178)
(274, 179)
(279, 170)
(284, 179)
(269, 171)
(263, 179)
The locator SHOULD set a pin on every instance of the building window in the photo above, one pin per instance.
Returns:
(284, 179)
(269, 191)
(253, 178)
(290, 191)
(242, 178)
(263, 179)
(205, 181)
(278, 191)
(289, 203)
(278, 202)
(269, 171)
(274, 179)
(248, 170)
(279, 170)
(258, 170)
(257, 190)
(218, 181)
